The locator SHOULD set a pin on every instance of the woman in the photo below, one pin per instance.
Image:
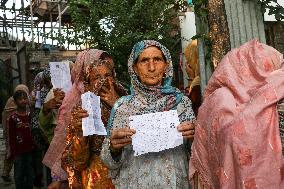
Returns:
(237, 142)
(151, 72)
(193, 91)
(93, 71)
(42, 85)
(9, 109)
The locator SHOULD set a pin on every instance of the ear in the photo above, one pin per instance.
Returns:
(135, 68)
(166, 67)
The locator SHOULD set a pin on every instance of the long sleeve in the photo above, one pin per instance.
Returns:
(80, 152)
(46, 123)
(12, 137)
(108, 159)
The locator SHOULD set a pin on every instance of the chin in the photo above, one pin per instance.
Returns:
(152, 83)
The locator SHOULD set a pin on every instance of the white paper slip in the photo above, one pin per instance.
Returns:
(155, 132)
(38, 99)
(92, 124)
(60, 75)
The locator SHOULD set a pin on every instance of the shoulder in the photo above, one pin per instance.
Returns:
(185, 110)
(185, 101)
(49, 96)
(122, 102)
(14, 117)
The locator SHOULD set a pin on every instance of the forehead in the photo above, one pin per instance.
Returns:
(22, 96)
(150, 52)
(100, 69)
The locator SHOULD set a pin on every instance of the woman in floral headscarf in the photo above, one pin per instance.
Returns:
(150, 68)
(42, 85)
(93, 71)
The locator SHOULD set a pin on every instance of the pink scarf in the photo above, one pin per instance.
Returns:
(237, 142)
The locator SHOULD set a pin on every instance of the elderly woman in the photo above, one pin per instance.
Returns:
(237, 142)
(78, 155)
(151, 71)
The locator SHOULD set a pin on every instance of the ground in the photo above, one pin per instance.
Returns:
(3, 184)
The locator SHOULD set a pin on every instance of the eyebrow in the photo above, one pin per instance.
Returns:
(155, 57)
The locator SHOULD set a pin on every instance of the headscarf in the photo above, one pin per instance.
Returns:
(11, 105)
(37, 81)
(45, 89)
(85, 60)
(191, 54)
(147, 99)
(237, 142)
(46, 73)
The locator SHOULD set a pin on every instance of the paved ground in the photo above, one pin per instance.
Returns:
(3, 184)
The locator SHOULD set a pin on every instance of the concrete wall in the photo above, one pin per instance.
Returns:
(245, 21)
(42, 58)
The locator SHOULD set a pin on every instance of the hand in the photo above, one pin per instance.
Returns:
(121, 137)
(108, 94)
(187, 129)
(33, 100)
(55, 102)
(58, 96)
(54, 185)
(76, 119)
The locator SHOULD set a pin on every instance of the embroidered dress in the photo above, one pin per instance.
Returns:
(78, 155)
(162, 170)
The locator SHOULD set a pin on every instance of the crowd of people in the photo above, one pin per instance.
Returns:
(231, 137)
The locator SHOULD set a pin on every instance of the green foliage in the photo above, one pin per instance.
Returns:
(116, 25)
(201, 11)
(274, 8)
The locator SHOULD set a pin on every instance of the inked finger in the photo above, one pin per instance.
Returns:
(188, 133)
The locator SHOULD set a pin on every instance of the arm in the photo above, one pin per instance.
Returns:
(80, 152)
(11, 138)
(78, 146)
(47, 125)
(110, 159)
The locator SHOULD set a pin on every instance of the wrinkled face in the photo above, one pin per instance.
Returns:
(100, 74)
(151, 67)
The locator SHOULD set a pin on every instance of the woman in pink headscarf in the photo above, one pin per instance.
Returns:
(93, 71)
(237, 142)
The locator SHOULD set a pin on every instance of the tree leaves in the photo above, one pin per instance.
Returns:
(116, 25)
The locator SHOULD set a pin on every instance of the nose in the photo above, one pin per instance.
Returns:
(151, 66)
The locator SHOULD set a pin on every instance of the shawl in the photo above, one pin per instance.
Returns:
(80, 70)
(237, 142)
(145, 99)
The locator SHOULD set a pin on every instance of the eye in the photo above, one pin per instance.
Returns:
(144, 60)
(108, 75)
(158, 59)
(96, 77)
